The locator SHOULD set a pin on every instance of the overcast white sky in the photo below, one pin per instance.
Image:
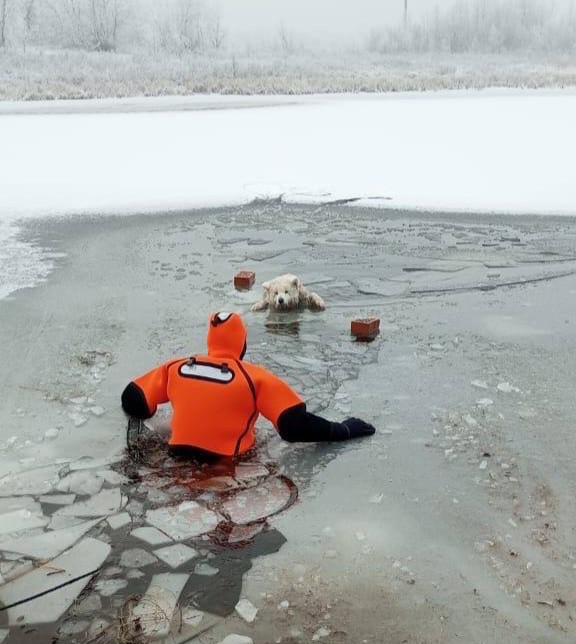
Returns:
(318, 16)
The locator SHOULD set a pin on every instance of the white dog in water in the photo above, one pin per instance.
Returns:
(286, 293)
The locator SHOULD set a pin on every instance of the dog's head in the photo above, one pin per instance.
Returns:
(283, 292)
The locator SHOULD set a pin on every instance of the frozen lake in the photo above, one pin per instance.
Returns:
(454, 522)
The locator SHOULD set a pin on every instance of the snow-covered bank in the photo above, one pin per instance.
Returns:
(505, 152)
(484, 151)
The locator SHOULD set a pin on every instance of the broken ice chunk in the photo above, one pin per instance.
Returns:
(20, 521)
(320, 633)
(153, 536)
(507, 388)
(58, 499)
(484, 402)
(188, 519)
(48, 544)
(90, 604)
(258, 502)
(62, 523)
(154, 612)
(206, 570)
(80, 561)
(19, 503)
(236, 639)
(111, 477)
(192, 616)
(176, 555)
(105, 503)
(73, 627)
(137, 558)
(51, 433)
(87, 463)
(77, 419)
(97, 410)
(109, 587)
(246, 609)
(119, 520)
(31, 482)
(479, 384)
(81, 482)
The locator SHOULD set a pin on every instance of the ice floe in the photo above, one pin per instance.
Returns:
(119, 520)
(104, 503)
(258, 502)
(136, 558)
(83, 482)
(48, 544)
(188, 519)
(21, 520)
(77, 563)
(154, 612)
(246, 609)
(150, 535)
(176, 555)
(108, 587)
(58, 499)
(31, 482)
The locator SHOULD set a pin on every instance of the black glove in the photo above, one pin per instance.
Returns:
(351, 428)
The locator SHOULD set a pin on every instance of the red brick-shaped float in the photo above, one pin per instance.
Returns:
(244, 280)
(365, 328)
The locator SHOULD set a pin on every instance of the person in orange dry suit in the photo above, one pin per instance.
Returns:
(217, 398)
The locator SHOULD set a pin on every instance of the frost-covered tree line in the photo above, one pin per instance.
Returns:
(111, 25)
(180, 26)
(480, 26)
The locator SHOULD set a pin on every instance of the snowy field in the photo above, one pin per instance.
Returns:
(490, 151)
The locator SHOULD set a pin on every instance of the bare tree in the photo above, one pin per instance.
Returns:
(105, 20)
(5, 11)
(28, 19)
(285, 39)
(216, 33)
(191, 25)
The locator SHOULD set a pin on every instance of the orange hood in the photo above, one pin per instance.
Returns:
(226, 336)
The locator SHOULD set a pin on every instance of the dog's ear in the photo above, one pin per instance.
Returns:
(266, 286)
(296, 281)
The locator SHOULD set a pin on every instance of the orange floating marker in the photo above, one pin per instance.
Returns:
(365, 329)
(244, 280)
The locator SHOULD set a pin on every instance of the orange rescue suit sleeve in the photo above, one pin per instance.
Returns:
(147, 392)
(273, 395)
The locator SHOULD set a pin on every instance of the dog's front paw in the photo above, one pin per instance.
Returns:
(316, 303)
(260, 306)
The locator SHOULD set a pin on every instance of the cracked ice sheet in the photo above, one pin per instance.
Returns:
(189, 519)
(105, 503)
(84, 558)
(31, 482)
(156, 609)
(258, 502)
(49, 544)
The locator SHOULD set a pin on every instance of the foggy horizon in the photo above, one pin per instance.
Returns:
(318, 17)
